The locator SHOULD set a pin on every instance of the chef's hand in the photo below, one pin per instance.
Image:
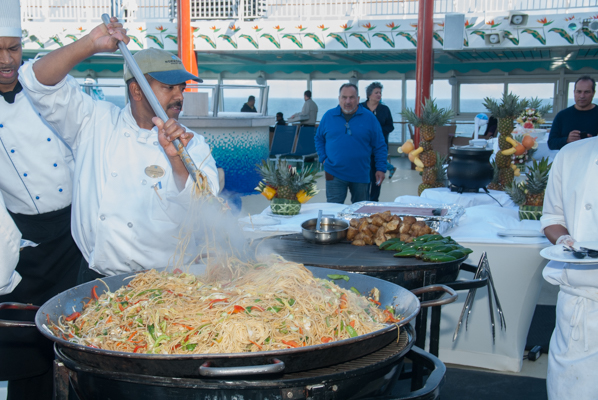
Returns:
(573, 136)
(169, 131)
(105, 38)
(380, 177)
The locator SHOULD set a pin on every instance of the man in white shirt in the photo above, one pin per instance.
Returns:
(309, 112)
(132, 191)
(570, 215)
(36, 187)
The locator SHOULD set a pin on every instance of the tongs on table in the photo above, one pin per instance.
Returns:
(482, 272)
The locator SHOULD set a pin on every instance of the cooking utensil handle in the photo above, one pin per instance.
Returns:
(436, 288)
(151, 98)
(17, 324)
(276, 367)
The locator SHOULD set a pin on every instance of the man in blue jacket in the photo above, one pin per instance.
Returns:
(346, 138)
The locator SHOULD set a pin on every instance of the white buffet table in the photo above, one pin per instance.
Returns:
(516, 267)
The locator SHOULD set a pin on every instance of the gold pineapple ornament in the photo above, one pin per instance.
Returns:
(426, 159)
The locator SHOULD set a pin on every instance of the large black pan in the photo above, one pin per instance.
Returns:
(221, 364)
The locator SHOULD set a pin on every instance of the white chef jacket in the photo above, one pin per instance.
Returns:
(571, 200)
(123, 219)
(10, 239)
(36, 164)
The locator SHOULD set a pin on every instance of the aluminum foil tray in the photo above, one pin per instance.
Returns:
(440, 217)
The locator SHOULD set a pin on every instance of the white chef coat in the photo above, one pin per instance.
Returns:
(10, 239)
(36, 164)
(572, 201)
(123, 219)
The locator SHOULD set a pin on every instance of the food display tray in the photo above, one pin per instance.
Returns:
(440, 217)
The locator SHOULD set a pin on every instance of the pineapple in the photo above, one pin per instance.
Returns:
(506, 112)
(494, 185)
(429, 176)
(422, 187)
(287, 181)
(428, 158)
(506, 176)
(502, 142)
(441, 168)
(537, 179)
(427, 146)
(503, 161)
(286, 186)
(516, 192)
(428, 132)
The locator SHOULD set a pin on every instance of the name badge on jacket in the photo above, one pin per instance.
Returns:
(155, 171)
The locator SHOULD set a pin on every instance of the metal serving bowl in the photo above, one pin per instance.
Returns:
(332, 230)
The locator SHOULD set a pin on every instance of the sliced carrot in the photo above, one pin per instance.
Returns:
(216, 301)
(132, 336)
(73, 316)
(352, 323)
(326, 339)
(183, 325)
(375, 302)
(291, 343)
(237, 309)
(109, 319)
(258, 346)
(344, 301)
(94, 295)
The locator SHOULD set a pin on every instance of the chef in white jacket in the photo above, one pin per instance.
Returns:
(36, 186)
(131, 189)
(570, 215)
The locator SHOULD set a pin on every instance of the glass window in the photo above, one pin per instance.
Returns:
(570, 98)
(472, 96)
(286, 96)
(442, 92)
(233, 99)
(544, 91)
(325, 94)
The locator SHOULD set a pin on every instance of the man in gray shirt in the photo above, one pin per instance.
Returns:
(309, 113)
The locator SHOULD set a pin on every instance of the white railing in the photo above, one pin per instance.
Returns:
(164, 10)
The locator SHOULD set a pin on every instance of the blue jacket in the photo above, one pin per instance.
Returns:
(347, 156)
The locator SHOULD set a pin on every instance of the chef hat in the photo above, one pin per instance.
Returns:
(10, 18)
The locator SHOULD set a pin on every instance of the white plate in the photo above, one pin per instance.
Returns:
(520, 233)
(556, 253)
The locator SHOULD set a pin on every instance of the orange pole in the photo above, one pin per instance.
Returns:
(424, 69)
(185, 34)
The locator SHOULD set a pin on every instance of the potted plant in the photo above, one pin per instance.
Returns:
(285, 187)
(425, 159)
(506, 112)
(529, 195)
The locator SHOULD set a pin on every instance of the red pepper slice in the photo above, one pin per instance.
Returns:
(256, 308)
(216, 301)
(291, 343)
(94, 295)
(139, 347)
(375, 302)
(326, 339)
(73, 316)
(352, 323)
(237, 309)
(177, 271)
(258, 346)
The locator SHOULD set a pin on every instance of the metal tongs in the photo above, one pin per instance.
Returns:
(151, 98)
(583, 252)
(482, 272)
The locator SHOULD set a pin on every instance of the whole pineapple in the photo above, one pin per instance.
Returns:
(422, 187)
(516, 192)
(495, 185)
(431, 116)
(427, 146)
(429, 176)
(428, 158)
(537, 179)
(506, 176)
(502, 161)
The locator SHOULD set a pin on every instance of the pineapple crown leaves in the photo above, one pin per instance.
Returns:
(495, 172)
(537, 176)
(431, 115)
(516, 192)
(510, 106)
(536, 104)
(441, 166)
(286, 175)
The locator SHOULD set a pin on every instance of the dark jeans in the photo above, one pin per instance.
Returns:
(336, 191)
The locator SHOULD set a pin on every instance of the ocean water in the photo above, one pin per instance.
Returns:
(290, 106)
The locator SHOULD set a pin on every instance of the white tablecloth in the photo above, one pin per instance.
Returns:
(268, 222)
(445, 196)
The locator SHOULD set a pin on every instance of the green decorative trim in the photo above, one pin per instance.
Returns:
(438, 38)
(339, 39)
(271, 39)
(562, 33)
(293, 39)
(137, 41)
(207, 39)
(230, 39)
(509, 36)
(155, 40)
(285, 206)
(362, 39)
(408, 37)
(174, 38)
(316, 39)
(590, 34)
(536, 35)
(386, 39)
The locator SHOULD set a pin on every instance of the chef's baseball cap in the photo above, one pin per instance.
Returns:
(10, 18)
(161, 65)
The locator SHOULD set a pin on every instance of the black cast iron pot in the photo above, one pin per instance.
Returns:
(470, 168)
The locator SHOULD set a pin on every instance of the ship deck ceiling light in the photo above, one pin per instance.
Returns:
(518, 19)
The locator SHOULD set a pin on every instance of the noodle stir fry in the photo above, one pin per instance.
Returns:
(272, 305)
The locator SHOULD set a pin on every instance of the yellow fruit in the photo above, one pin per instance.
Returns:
(512, 141)
(269, 192)
(509, 152)
(517, 172)
(407, 147)
(418, 162)
(417, 151)
(411, 156)
(419, 169)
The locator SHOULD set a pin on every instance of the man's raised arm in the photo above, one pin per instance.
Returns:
(53, 67)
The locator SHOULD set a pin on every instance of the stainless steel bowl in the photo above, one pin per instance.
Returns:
(332, 230)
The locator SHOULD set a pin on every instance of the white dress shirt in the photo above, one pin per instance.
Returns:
(36, 164)
(123, 219)
(10, 239)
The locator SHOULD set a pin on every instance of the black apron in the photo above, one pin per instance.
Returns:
(46, 270)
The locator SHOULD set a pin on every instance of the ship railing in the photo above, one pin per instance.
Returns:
(165, 10)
